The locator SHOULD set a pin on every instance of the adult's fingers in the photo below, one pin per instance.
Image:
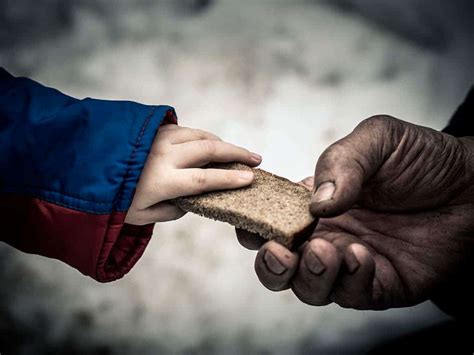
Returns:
(249, 240)
(178, 134)
(317, 272)
(196, 181)
(354, 288)
(275, 266)
(202, 152)
(343, 168)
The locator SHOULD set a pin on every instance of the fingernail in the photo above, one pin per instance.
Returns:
(351, 261)
(246, 175)
(309, 182)
(256, 157)
(273, 264)
(314, 264)
(324, 192)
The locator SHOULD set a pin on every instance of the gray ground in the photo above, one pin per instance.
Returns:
(283, 78)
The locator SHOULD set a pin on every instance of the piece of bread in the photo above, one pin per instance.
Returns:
(272, 206)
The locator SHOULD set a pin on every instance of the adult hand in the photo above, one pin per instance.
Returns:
(396, 208)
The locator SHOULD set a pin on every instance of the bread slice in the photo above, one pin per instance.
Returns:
(272, 206)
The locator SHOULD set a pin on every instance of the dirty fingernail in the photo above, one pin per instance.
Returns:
(314, 264)
(351, 261)
(273, 264)
(324, 192)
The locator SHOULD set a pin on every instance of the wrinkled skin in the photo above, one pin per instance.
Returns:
(398, 229)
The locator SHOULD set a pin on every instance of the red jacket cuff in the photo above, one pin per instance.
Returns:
(122, 246)
(98, 245)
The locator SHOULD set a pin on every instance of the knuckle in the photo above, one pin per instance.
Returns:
(332, 153)
(205, 135)
(199, 178)
(378, 121)
(200, 133)
(209, 147)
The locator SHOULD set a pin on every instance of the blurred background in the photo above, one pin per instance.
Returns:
(283, 78)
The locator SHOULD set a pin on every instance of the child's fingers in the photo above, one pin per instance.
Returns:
(177, 135)
(307, 182)
(196, 181)
(160, 212)
(163, 212)
(200, 153)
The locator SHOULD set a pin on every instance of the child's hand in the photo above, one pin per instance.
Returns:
(173, 170)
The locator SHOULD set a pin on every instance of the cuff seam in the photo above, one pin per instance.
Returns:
(118, 199)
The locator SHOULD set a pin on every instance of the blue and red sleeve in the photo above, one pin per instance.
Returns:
(68, 172)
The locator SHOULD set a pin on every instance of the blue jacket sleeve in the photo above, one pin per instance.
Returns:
(80, 158)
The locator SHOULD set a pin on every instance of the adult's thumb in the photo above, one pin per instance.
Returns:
(346, 165)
